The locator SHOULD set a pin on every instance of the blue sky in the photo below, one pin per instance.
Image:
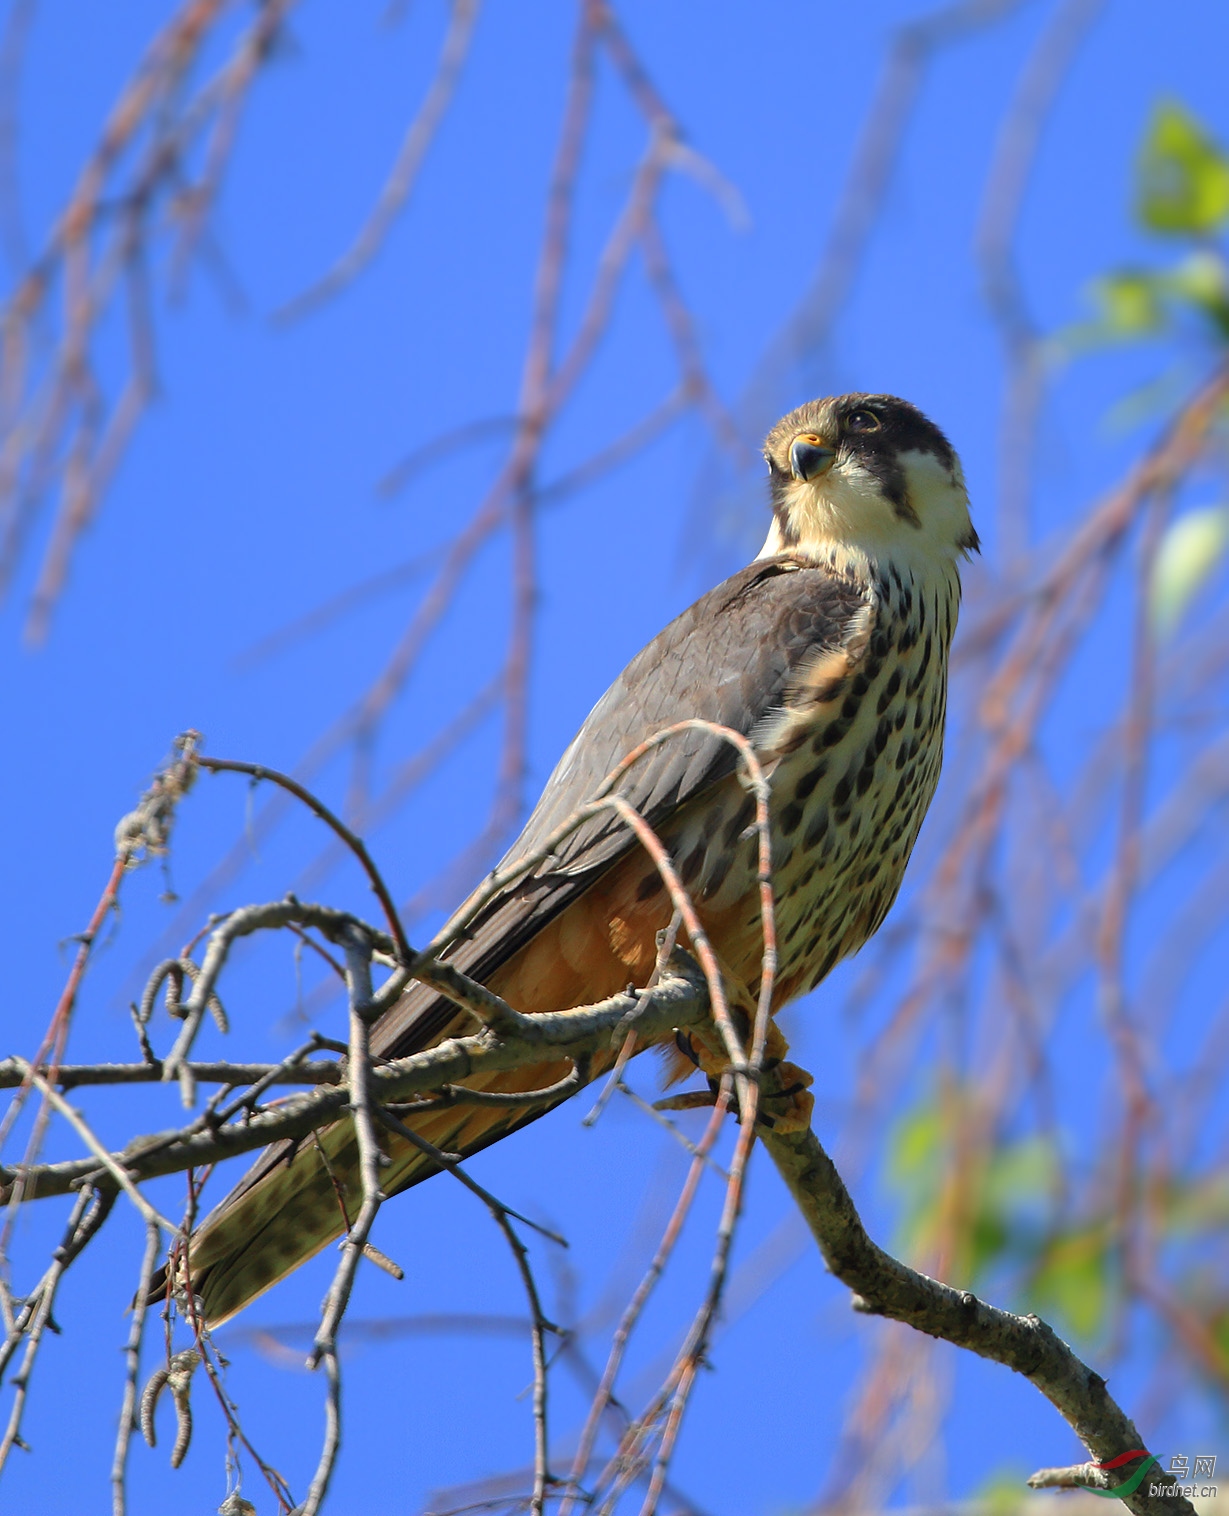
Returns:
(250, 496)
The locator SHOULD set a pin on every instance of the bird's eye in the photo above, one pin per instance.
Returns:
(862, 421)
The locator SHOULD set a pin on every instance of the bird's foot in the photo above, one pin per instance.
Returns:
(786, 1102)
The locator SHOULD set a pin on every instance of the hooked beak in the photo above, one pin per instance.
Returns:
(809, 458)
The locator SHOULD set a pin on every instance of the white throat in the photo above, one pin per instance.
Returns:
(843, 518)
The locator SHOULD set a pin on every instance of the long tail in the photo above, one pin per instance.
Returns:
(308, 1196)
(302, 1195)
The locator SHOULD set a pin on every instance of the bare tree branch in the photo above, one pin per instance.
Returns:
(884, 1286)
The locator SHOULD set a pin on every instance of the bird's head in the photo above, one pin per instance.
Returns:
(869, 473)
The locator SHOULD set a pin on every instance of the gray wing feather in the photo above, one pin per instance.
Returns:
(730, 659)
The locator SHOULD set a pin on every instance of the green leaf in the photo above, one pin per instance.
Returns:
(1004, 1493)
(1074, 1279)
(1188, 555)
(1017, 1182)
(914, 1150)
(914, 1168)
(1202, 281)
(1183, 175)
(1129, 304)
(1134, 304)
(1195, 1208)
(1220, 1334)
(1004, 1187)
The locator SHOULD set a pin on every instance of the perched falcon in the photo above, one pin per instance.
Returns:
(829, 652)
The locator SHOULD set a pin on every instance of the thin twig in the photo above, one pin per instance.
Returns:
(132, 1356)
(149, 1213)
(91, 1209)
(503, 1216)
(318, 808)
(635, 1307)
(324, 1349)
(884, 1286)
(409, 160)
(547, 1036)
(74, 1075)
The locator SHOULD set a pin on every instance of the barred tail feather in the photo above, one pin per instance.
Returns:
(301, 1196)
(309, 1198)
